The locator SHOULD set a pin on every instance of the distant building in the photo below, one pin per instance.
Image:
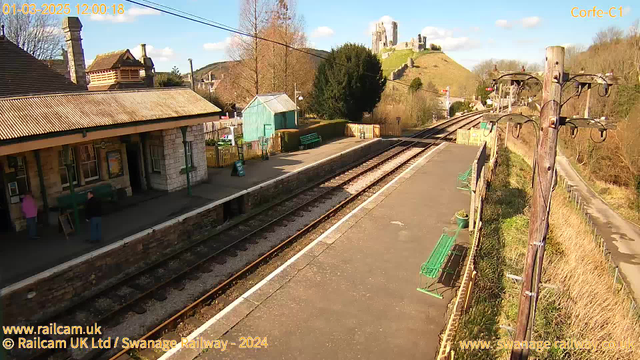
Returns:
(267, 113)
(120, 70)
(416, 44)
(381, 39)
(207, 83)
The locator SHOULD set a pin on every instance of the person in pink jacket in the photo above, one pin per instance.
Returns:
(30, 210)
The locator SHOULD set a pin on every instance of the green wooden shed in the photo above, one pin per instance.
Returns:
(267, 113)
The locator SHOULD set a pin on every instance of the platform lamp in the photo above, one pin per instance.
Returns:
(67, 161)
(297, 95)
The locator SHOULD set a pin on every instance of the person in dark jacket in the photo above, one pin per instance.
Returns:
(93, 210)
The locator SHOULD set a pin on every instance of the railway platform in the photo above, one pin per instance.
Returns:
(352, 292)
(21, 258)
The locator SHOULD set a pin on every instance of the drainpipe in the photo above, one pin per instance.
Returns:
(71, 171)
(186, 161)
(43, 188)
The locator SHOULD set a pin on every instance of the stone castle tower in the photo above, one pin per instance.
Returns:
(380, 39)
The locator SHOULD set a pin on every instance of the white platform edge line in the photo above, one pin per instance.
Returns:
(22, 283)
(257, 286)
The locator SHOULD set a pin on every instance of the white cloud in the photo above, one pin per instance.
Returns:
(527, 22)
(475, 28)
(445, 38)
(157, 55)
(217, 46)
(322, 31)
(531, 21)
(626, 11)
(129, 15)
(503, 24)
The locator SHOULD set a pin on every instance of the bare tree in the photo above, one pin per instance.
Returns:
(634, 38)
(39, 35)
(287, 65)
(607, 35)
(484, 68)
(571, 54)
(246, 49)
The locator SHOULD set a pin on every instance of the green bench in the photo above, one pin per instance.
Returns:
(464, 179)
(103, 192)
(309, 139)
(435, 264)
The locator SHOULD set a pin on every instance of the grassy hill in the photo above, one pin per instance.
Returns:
(432, 66)
(217, 69)
(222, 67)
(397, 58)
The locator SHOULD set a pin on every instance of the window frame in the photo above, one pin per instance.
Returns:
(159, 158)
(95, 160)
(22, 166)
(64, 167)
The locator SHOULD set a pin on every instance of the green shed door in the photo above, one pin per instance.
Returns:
(268, 130)
(278, 119)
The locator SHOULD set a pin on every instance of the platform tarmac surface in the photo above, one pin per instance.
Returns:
(352, 293)
(21, 258)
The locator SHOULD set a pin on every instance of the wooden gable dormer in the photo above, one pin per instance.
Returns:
(115, 70)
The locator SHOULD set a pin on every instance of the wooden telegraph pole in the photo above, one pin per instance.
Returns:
(544, 174)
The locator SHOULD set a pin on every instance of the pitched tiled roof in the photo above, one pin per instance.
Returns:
(44, 114)
(58, 65)
(21, 73)
(276, 103)
(114, 60)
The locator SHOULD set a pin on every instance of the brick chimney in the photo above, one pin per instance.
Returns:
(71, 26)
(148, 66)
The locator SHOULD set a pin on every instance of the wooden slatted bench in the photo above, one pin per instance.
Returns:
(309, 139)
(435, 264)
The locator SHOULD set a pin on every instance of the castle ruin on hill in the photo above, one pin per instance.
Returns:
(381, 39)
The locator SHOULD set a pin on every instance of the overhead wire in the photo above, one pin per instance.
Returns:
(201, 20)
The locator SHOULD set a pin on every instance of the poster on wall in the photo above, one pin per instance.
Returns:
(114, 163)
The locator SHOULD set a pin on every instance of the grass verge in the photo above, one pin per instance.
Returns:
(581, 307)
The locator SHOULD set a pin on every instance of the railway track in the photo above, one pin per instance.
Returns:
(216, 260)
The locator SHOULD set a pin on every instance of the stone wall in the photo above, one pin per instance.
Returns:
(397, 73)
(79, 279)
(171, 176)
(174, 157)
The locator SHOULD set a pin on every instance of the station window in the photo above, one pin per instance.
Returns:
(157, 155)
(21, 175)
(89, 162)
(64, 173)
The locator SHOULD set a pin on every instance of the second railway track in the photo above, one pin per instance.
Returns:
(139, 306)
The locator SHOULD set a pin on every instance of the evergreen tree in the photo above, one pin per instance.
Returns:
(348, 83)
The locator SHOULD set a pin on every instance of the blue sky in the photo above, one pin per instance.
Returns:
(469, 31)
